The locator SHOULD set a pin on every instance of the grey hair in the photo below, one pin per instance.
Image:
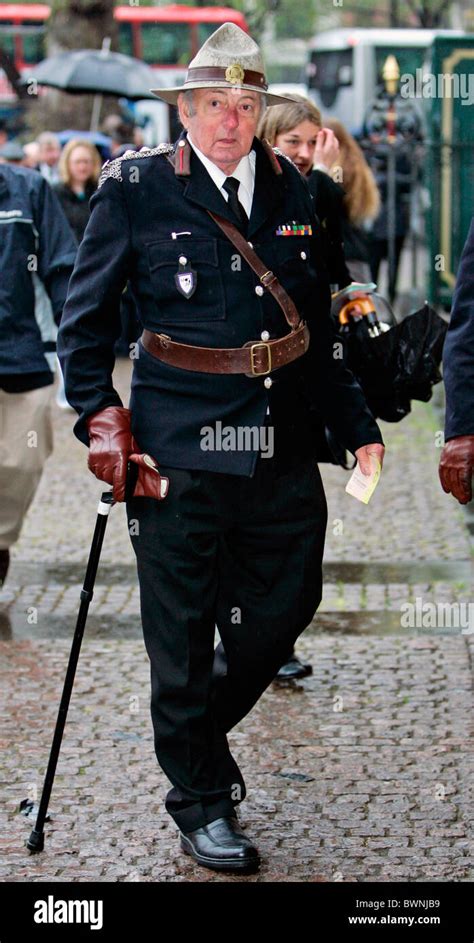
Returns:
(48, 137)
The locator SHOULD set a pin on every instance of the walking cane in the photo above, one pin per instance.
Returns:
(35, 842)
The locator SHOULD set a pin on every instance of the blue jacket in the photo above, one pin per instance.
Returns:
(458, 351)
(142, 203)
(35, 238)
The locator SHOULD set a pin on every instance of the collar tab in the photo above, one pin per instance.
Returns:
(181, 158)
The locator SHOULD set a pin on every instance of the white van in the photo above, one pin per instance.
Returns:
(345, 66)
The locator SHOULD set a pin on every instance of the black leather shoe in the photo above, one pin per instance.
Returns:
(221, 845)
(292, 669)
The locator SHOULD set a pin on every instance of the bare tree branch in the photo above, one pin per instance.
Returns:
(412, 6)
(427, 15)
(443, 6)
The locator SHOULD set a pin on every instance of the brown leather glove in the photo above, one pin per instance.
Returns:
(112, 447)
(456, 467)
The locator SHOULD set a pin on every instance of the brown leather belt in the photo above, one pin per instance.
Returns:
(254, 359)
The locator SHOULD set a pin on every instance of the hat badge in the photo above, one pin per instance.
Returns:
(235, 74)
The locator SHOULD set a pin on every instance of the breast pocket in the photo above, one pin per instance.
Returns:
(293, 265)
(207, 300)
(293, 251)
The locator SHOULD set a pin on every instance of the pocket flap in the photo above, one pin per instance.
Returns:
(168, 251)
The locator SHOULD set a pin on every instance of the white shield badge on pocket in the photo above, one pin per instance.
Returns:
(186, 280)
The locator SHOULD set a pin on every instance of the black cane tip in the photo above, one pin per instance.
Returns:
(35, 842)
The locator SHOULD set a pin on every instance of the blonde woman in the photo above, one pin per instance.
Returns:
(79, 168)
(361, 202)
(296, 129)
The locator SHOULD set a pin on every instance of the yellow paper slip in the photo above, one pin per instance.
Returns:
(362, 486)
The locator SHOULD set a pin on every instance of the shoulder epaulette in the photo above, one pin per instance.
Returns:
(276, 150)
(113, 168)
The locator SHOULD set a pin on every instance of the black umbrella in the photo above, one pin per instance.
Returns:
(399, 365)
(97, 71)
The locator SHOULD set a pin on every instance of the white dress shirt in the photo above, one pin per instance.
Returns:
(51, 174)
(244, 172)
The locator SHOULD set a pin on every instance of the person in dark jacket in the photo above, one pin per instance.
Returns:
(79, 169)
(360, 202)
(456, 467)
(377, 156)
(237, 539)
(37, 254)
(295, 128)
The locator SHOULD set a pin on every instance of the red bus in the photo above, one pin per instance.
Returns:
(170, 36)
(22, 32)
(164, 37)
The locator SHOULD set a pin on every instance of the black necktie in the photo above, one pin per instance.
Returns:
(231, 187)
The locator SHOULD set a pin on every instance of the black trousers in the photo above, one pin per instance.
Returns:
(244, 554)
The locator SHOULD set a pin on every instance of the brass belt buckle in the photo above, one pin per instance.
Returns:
(260, 373)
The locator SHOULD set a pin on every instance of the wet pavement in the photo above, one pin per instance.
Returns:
(363, 771)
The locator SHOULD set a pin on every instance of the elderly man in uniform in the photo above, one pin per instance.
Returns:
(219, 239)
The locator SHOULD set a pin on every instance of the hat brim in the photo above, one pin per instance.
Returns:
(170, 95)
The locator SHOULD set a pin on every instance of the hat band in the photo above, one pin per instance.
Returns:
(233, 74)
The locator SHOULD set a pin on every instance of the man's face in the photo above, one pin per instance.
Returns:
(223, 125)
(49, 154)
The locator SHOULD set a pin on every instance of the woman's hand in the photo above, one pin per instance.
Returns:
(327, 148)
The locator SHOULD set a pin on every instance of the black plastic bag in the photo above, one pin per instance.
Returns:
(398, 365)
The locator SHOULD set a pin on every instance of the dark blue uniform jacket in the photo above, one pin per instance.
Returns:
(145, 215)
(458, 352)
(34, 237)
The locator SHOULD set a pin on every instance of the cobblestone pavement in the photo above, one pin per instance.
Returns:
(361, 772)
